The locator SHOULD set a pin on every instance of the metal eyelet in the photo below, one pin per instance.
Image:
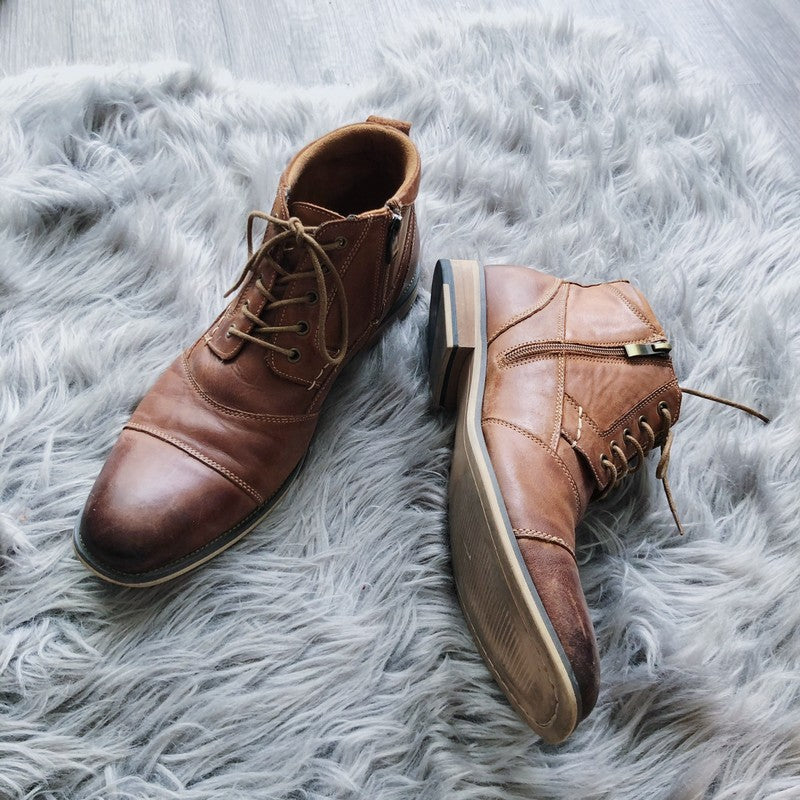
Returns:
(228, 332)
(294, 355)
(341, 242)
(662, 405)
(313, 297)
(626, 432)
(303, 327)
(642, 419)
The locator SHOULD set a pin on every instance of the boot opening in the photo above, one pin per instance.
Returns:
(354, 172)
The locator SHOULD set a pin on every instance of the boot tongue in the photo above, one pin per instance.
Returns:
(312, 215)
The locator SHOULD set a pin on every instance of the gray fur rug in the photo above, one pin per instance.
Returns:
(325, 655)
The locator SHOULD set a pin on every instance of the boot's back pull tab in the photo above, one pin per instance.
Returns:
(401, 125)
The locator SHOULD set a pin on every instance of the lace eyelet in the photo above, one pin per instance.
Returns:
(663, 406)
(228, 332)
(294, 355)
(341, 242)
(626, 432)
(303, 328)
(642, 419)
(313, 297)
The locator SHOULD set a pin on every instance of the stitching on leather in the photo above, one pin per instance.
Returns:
(633, 309)
(232, 412)
(189, 450)
(618, 423)
(536, 440)
(548, 356)
(644, 403)
(380, 285)
(349, 260)
(352, 351)
(532, 533)
(632, 413)
(229, 314)
(587, 459)
(508, 688)
(372, 327)
(316, 378)
(562, 377)
(269, 359)
(405, 256)
(528, 312)
(294, 378)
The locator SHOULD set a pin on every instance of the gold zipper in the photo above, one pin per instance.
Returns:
(660, 349)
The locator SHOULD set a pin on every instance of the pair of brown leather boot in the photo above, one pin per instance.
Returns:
(561, 391)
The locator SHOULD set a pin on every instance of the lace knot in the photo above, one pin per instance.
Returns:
(296, 227)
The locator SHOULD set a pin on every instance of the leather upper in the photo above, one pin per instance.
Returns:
(227, 423)
(560, 393)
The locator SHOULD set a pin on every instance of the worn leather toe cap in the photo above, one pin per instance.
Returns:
(153, 508)
(557, 582)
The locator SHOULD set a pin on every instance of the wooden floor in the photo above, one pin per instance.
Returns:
(755, 44)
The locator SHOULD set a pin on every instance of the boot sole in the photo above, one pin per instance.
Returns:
(501, 606)
(174, 570)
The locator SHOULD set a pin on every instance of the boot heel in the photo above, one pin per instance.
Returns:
(453, 326)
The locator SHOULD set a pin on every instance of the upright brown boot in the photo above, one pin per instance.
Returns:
(216, 441)
(561, 391)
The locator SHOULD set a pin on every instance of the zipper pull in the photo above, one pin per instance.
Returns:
(661, 348)
(395, 223)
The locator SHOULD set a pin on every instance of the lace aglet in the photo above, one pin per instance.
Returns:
(237, 284)
(671, 503)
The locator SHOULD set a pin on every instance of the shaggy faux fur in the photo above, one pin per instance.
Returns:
(325, 655)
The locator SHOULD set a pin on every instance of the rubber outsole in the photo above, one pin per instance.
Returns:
(501, 606)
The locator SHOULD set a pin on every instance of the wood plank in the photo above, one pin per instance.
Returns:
(34, 34)
(200, 35)
(109, 31)
(753, 44)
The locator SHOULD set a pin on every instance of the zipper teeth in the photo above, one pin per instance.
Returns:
(526, 350)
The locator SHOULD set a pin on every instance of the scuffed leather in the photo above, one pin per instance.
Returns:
(226, 424)
(549, 418)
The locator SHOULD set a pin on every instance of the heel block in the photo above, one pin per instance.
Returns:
(453, 326)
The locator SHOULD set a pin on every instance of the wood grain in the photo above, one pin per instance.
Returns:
(753, 44)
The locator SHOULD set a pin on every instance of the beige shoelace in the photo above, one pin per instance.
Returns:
(625, 468)
(293, 234)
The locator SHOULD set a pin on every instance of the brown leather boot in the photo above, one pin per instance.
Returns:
(561, 391)
(214, 444)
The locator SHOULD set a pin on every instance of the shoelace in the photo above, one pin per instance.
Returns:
(625, 468)
(303, 236)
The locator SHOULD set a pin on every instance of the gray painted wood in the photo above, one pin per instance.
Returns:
(754, 44)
